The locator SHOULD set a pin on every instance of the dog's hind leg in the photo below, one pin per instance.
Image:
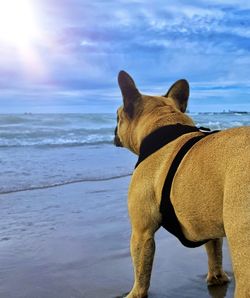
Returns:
(216, 275)
(236, 216)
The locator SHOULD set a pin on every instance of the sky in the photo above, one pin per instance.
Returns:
(63, 56)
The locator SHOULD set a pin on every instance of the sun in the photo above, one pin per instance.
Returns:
(18, 26)
(21, 34)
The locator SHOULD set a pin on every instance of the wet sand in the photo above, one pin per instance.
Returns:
(72, 241)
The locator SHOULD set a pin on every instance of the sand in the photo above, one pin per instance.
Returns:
(72, 241)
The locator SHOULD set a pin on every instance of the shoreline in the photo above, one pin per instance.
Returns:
(64, 183)
(72, 241)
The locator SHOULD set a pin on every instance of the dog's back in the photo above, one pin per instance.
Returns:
(214, 197)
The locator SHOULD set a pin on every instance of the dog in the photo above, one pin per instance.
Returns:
(209, 192)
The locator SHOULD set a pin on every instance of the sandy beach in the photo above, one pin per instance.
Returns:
(72, 241)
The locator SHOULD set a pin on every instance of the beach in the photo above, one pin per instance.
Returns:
(64, 226)
(72, 241)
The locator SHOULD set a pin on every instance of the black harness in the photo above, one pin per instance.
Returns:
(151, 144)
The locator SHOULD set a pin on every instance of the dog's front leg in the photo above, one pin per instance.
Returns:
(216, 275)
(142, 248)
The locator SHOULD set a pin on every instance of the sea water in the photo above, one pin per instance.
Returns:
(47, 150)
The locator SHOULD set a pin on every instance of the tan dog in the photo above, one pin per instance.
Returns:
(210, 192)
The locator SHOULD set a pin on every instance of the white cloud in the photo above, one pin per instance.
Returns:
(87, 43)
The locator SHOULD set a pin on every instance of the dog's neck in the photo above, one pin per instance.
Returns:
(146, 126)
(161, 137)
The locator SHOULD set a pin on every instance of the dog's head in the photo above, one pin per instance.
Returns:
(142, 114)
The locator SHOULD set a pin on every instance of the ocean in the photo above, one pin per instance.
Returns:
(47, 150)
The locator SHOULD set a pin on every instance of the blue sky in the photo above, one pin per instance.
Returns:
(71, 61)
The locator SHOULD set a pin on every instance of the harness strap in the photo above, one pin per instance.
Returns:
(161, 137)
(154, 142)
(166, 208)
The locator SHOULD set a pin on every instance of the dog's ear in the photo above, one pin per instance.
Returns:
(129, 91)
(179, 92)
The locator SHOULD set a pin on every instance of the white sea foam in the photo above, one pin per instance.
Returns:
(68, 130)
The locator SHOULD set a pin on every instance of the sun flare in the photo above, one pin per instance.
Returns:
(18, 25)
(20, 32)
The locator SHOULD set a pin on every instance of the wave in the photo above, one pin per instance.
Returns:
(55, 144)
(55, 137)
(57, 119)
(56, 129)
(40, 187)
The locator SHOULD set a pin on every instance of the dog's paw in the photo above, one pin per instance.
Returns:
(217, 279)
(136, 296)
(130, 295)
(122, 296)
